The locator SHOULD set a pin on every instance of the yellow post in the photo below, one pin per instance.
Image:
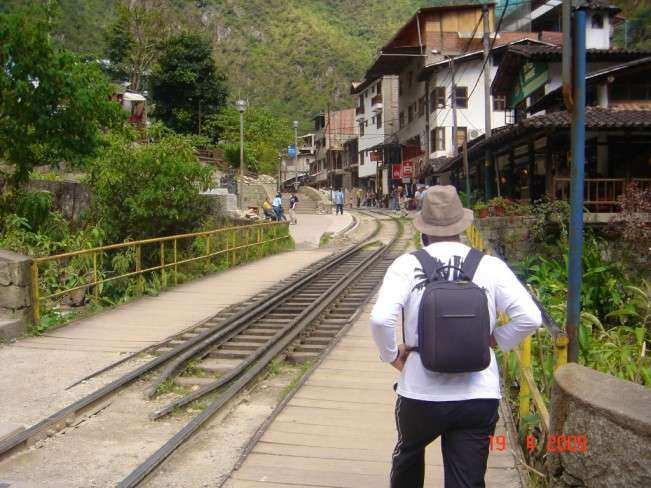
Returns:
(228, 259)
(139, 268)
(560, 345)
(95, 287)
(525, 394)
(207, 244)
(36, 297)
(176, 266)
(163, 277)
(259, 241)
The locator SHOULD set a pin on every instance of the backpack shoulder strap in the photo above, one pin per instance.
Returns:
(427, 262)
(471, 262)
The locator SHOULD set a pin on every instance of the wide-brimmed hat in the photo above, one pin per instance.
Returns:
(442, 213)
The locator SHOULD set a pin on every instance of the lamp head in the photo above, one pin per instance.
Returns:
(240, 105)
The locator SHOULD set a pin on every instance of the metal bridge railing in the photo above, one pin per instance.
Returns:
(225, 241)
(528, 386)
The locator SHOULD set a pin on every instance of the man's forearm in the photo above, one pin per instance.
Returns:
(385, 340)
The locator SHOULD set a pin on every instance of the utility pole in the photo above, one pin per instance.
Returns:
(575, 270)
(295, 123)
(455, 147)
(487, 102)
(466, 170)
(241, 107)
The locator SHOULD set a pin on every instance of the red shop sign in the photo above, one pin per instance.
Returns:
(396, 172)
(407, 169)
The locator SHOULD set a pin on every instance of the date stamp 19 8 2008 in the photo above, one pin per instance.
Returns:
(555, 443)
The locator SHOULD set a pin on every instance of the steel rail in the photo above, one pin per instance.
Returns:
(226, 332)
(299, 324)
(75, 409)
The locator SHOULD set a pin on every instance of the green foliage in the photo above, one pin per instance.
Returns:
(53, 105)
(136, 37)
(149, 190)
(616, 311)
(551, 221)
(636, 31)
(34, 207)
(295, 57)
(186, 87)
(265, 135)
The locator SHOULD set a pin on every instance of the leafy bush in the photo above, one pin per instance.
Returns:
(616, 310)
(142, 191)
(551, 221)
(34, 207)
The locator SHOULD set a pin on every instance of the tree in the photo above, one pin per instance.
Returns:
(53, 106)
(135, 40)
(148, 190)
(265, 135)
(186, 87)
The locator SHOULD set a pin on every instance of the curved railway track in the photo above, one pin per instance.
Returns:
(220, 356)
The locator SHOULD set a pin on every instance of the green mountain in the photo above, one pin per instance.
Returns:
(296, 57)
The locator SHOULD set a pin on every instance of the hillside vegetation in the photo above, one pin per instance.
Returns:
(294, 57)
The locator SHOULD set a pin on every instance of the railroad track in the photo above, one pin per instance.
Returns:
(221, 355)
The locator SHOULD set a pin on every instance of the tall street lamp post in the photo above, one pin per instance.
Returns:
(295, 124)
(241, 107)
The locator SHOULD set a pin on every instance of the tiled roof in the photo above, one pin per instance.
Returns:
(595, 118)
(553, 53)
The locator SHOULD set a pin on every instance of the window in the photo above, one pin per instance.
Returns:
(378, 88)
(437, 98)
(499, 102)
(597, 21)
(378, 120)
(410, 113)
(438, 138)
(361, 129)
(461, 96)
(402, 119)
(462, 135)
(421, 106)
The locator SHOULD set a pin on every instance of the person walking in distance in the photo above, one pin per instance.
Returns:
(339, 202)
(278, 207)
(292, 209)
(449, 384)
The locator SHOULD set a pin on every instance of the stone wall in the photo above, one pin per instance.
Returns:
(509, 235)
(15, 294)
(70, 197)
(323, 205)
(614, 416)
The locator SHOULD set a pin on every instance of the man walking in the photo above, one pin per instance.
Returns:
(460, 407)
(292, 209)
(339, 202)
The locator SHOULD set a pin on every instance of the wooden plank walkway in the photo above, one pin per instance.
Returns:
(149, 320)
(339, 430)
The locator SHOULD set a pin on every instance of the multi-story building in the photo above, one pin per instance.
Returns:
(331, 130)
(376, 116)
(298, 169)
(420, 56)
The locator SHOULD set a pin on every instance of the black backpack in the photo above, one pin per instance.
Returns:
(453, 317)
